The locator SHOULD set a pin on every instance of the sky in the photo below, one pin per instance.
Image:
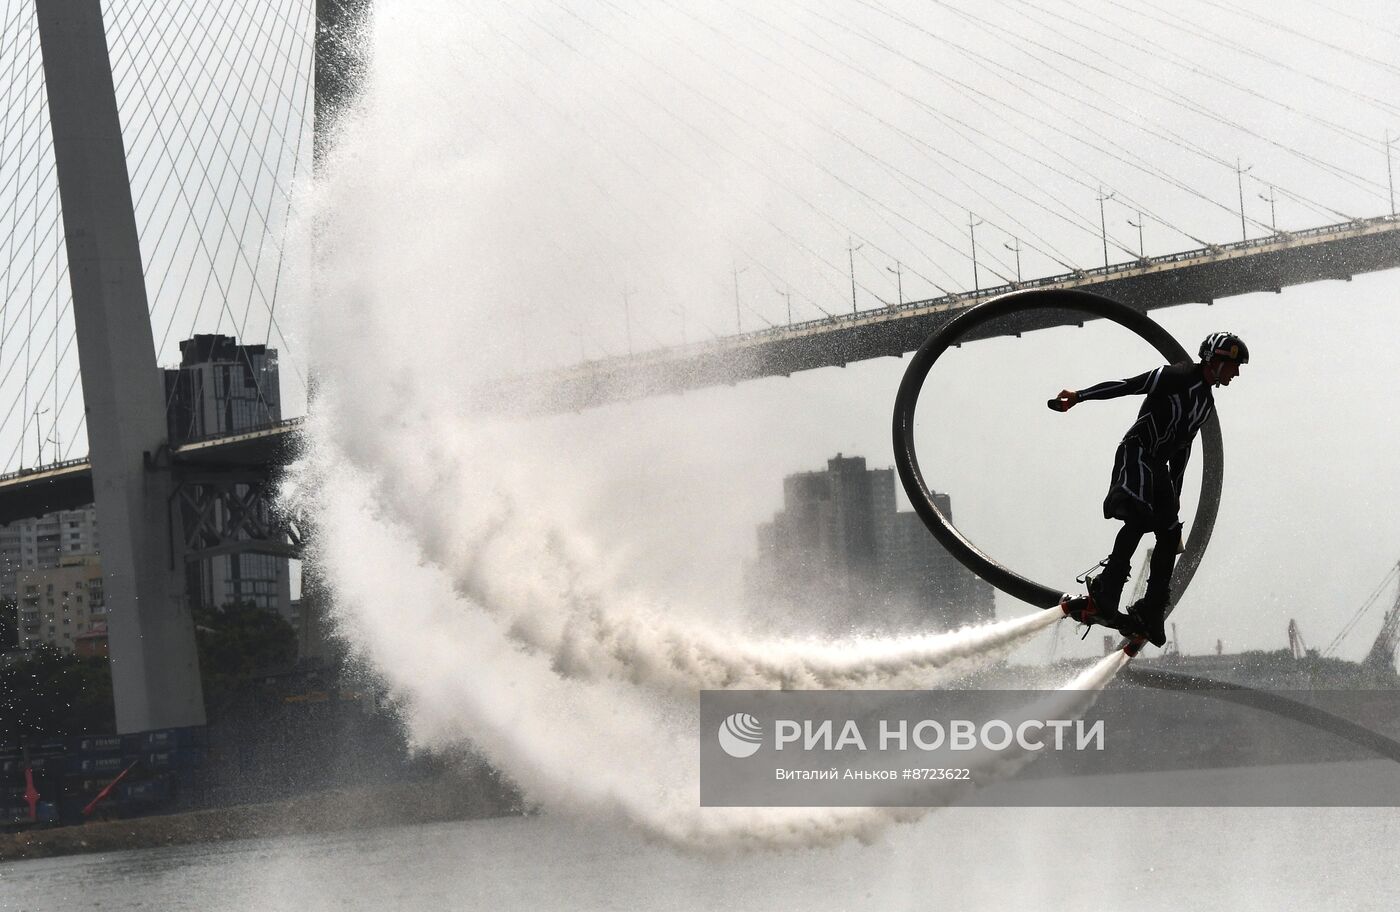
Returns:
(533, 183)
(583, 173)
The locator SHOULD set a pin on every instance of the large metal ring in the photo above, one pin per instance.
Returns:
(957, 329)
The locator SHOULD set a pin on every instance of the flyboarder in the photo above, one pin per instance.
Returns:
(1145, 492)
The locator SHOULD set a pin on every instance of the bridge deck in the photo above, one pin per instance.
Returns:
(1204, 275)
(68, 485)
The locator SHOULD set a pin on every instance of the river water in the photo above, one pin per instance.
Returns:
(964, 858)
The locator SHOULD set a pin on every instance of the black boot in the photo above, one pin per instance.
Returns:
(1148, 617)
(1106, 589)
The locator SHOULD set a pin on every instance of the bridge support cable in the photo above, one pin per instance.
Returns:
(224, 209)
(236, 81)
(931, 152)
(800, 245)
(300, 115)
(873, 203)
(1125, 155)
(1170, 97)
(840, 226)
(607, 196)
(1310, 37)
(1101, 144)
(1312, 73)
(1146, 46)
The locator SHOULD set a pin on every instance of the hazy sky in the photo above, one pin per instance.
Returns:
(546, 175)
(526, 178)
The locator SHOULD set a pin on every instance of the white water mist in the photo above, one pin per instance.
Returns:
(491, 569)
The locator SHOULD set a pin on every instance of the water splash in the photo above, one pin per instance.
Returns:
(544, 584)
(494, 572)
(595, 746)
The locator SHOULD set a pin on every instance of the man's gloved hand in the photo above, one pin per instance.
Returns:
(1063, 402)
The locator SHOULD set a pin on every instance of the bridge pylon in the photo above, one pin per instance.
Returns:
(155, 670)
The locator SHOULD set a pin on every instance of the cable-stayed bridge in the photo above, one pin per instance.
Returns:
(203, 150)
(1331, 252)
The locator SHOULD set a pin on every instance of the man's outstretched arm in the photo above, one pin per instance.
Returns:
(1109, 389)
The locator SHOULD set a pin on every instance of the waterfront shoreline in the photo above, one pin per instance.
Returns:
(438, 800)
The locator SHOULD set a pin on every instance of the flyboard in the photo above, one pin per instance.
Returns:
(1023, 306)
(1083, 609)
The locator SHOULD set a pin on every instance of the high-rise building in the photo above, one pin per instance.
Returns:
(222, 387)
(40, 542)
(59, 604)
(841, 546)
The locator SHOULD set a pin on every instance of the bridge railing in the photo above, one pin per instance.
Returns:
(50, 467)
(284, 424)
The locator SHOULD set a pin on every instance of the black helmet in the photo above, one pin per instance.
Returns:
(1224, 346)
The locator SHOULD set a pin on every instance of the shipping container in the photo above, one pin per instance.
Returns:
(89, 744)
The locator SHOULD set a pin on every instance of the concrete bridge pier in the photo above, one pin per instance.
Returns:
(155, 672)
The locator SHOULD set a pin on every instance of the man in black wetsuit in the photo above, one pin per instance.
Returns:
(1147, 472)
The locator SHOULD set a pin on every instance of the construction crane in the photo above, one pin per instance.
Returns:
(1295, 640)
(1382, 654)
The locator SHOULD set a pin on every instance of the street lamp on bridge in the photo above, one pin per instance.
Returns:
(972, 233)
(1142, 250)
(627, 315)
(898, 271)
(738, 320)
(1103, 224)
(1390, 175)
(1272, 199)
(38, 438)
(1015, 248)
(1239, 179)
(787, 296)
(851, 248)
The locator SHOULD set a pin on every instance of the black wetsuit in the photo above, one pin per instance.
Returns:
(1151, 460)
(1148, 469)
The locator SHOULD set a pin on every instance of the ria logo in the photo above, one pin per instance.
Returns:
(741, 735)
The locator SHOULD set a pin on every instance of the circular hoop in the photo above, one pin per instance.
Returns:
(1003, 578)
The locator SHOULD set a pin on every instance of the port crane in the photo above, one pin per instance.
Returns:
(1382, 654)
(1295, 640)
